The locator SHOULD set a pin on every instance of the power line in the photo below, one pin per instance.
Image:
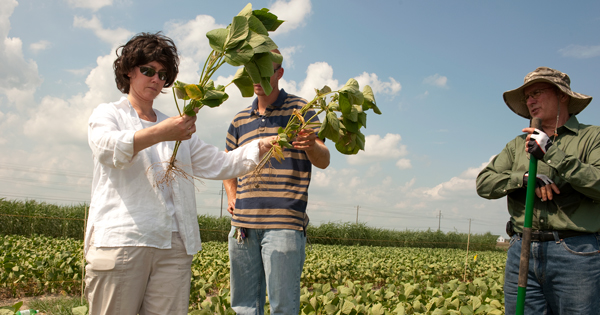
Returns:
(37, 170)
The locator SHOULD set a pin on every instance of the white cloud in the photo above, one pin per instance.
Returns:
(73, 113)
(580, 52)
(320, 179)
(403, 164)
(374, 170)
(89, 4)
(464, 183)
(436, 80)
(190, 37)
(378, 149)
(392, 87)
(288, 55)
(39, 46)
(293, 12)
(115, 37)
(318, 75)
(18, 77)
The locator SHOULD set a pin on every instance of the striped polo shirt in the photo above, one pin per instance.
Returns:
(280, 198)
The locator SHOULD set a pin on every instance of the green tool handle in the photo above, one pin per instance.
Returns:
(526, 239)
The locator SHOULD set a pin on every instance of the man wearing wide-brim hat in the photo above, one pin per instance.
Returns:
(564, 264)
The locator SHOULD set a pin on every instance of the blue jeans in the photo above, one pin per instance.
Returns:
(268, 260)
(563, 277)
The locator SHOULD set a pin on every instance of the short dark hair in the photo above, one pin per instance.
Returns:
(142, 49)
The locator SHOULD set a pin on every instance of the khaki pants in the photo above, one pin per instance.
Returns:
(138, 280)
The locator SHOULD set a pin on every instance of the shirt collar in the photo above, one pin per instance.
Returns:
(277, 104)
(572, 124)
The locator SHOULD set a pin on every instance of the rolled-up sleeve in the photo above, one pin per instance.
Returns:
(111, 143)
(211, 163)
(499, 178)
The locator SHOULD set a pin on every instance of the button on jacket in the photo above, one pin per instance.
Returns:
(127, 208)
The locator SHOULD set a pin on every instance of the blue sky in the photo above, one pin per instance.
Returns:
(438, 70)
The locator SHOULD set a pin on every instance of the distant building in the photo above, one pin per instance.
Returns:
(501, 239)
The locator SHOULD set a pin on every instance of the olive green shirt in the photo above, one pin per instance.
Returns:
(572, 162)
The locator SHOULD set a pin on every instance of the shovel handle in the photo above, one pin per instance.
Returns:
(526, 239)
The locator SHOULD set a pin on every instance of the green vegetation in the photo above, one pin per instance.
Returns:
(350, 279)
(29, 218)
(32, 266)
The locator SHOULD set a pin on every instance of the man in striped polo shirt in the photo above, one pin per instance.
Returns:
(268, 224)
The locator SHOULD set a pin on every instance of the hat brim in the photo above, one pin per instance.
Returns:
(514, 99)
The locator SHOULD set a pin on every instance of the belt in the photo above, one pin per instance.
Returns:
(545, 236)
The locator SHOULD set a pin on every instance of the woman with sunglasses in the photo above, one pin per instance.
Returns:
(141, 236)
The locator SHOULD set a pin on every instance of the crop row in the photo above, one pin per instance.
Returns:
(335, 280)
(30, 218)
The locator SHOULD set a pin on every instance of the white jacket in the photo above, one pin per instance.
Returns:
(127, 209)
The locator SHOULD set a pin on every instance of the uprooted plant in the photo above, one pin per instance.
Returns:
(245, 42)
(344, 130)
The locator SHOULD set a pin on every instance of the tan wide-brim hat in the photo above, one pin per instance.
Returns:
(515, 98)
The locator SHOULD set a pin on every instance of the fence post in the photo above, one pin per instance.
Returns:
(467, 258)
(83, 253)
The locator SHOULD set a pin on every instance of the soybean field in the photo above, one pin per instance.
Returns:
(337, 279)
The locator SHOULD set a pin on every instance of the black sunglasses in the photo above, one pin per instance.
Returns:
(149, 72)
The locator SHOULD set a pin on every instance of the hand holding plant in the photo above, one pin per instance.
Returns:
(344, 130)
(245, 42)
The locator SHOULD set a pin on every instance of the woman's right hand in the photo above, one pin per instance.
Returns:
(177, 128)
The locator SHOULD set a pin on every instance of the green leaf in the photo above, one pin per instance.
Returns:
(476, 302)
(17, 305)
(189, 109)
(255, 39)
(217, 38)
(344, 103)
(276, 58)
(194, 91)
(353, 115)
(308, 309)
(369, 100)
(351, 125)
(256, 25)
(330, 309)
(80, 310)
(266, 46)
(239, 55)
(246, 11)
(466, 310)
(265, 83)
(377, 309)
(244, 83)
(347, 307)
(330, 128)
(355, 97)
(214, 98)
(347, 145)
(326, 89)
(253, 72)
(285, 143)
(179, 88)
(264, 63)
(268, 19)
(362, 118)
(238, 31)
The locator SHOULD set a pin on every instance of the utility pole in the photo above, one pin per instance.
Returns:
(357, 214)
(222, 189)
(440, 219)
